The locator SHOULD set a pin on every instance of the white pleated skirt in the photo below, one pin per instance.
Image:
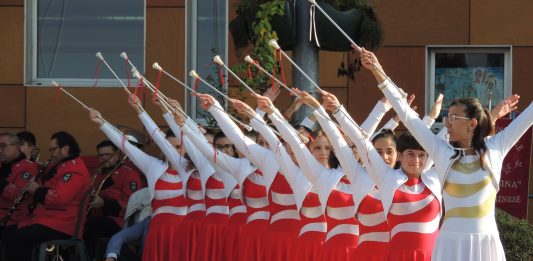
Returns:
(468, 247)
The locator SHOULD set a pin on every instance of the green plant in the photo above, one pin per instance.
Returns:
(516, 236)
(262, 30)
(255, 16)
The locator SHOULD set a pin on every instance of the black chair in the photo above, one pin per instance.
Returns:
(54, 248)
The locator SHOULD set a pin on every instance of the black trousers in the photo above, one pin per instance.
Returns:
(95, 228)
(21, 242)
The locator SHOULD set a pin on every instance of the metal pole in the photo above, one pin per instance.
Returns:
(305, 54)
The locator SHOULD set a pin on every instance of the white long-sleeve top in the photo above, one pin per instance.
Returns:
(299, 183)
(261, 157)
(387, 179)
(322, 178)
(238, 168)
(177, 162)
(442, 152)
(200, 162)
(153, 168)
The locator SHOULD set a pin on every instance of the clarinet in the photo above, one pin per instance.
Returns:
(21, 198)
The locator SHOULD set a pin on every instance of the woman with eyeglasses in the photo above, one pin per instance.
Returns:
(468, 168)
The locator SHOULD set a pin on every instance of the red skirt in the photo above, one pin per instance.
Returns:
(250, 245)
(309, 246)
(371, 251)
(339, 248)
(189, 231)
(232, 233)
(161, 241)
(420, 246)
(280, 240)
(212, 238)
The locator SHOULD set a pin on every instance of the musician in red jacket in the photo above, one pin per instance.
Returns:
(15, 172)
(115, 182)
(58, 196)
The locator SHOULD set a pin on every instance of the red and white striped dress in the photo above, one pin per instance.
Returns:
(216, 217)
(284, 221)
(343, 229)
(373, 229)
(312, 230)
(165, 188)
(169, 209)
(236, 222)
(414, 218)
(250, 246)
(190, 227)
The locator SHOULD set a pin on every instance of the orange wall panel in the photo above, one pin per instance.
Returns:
(421, 22)
(404, 65)
(501, 22)
(12, 98)
(165, 3)
(11, 44)
(165, 44)
(522, 64)
(46, 115)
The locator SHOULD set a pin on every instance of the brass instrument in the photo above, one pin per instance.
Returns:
(96, 191)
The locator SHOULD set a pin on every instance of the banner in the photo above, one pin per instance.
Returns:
(513, 194)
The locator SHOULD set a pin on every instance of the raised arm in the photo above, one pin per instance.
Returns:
(376, 167)
(146, 163)
(199, 160)
(435, 146)
(172, 155)
(287, 167)
(504, 140)
(238, 168)
(311, 168)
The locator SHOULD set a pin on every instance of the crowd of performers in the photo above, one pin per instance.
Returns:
(342, 192)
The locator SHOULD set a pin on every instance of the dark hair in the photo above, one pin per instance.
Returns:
(332, 160)
(406, 141)
(387, 134)
(475, 110)
(107, 143)
(384, 134)
(221, 135)
(63, 139)
(28, 137)
(169, 133)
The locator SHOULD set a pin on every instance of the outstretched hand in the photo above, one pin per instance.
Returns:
(330, 101)
(206, 101)
(96, 117)
(265, 104)
(437, 106)
(243, 108)
(504, 107)
(307, 98)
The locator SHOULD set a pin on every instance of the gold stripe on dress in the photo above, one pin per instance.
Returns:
(467, 168)
(464, 190)
(473, 212)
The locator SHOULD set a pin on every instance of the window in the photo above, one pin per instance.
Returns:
(63, 36)
(207, 36)
(469, 71)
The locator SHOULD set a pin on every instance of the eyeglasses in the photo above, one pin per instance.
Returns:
(223, 146)
(5, 145)
(452, 118)
(52, 149)
(105, 155)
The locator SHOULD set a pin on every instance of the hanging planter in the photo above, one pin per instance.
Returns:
(326, 36)
(242, 27)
